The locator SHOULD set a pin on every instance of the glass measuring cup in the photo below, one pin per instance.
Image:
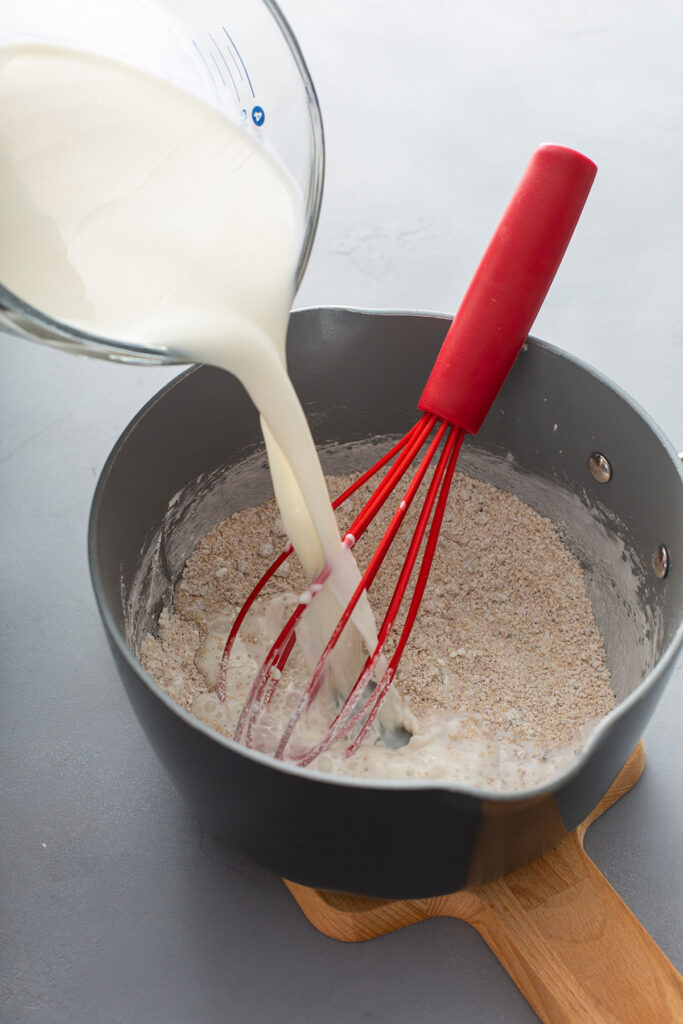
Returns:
(238, 56)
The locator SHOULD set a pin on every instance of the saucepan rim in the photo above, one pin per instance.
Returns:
(555, 782)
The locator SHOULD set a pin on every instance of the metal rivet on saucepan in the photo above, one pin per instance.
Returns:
(660, 561)
(600, 467)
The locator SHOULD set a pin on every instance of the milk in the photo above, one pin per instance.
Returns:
(132, 210)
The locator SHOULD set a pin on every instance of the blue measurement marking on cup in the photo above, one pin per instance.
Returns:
(203, 59)
(231, 55)
(220, 65)
(227, 67)
(220, 73)
(232, 43)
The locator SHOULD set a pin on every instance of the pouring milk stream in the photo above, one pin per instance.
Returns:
(133, 210)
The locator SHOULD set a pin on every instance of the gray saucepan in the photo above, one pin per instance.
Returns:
(194, 454)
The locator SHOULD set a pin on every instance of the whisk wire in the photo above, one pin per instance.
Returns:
(452, 452)
(287, 551)
(266, 679)
(241, 616)
(378, 499)
(419, 426)
(350, 716)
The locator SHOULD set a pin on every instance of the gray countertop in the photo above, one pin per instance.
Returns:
(114, 905)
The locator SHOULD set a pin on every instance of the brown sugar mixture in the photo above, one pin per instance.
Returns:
(504, 676)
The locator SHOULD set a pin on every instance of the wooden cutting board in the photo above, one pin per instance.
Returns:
(556, 925)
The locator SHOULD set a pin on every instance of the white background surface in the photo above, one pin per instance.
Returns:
(114, 906)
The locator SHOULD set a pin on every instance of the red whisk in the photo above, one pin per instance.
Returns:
(477, 354)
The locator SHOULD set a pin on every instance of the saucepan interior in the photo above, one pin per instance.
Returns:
(194, 455)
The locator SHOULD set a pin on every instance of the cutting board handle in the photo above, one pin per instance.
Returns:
(557, 926)
(572, 946)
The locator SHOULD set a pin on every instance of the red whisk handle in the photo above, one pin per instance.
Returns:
(509, 287)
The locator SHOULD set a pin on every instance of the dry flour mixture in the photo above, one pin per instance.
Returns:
(503, 679)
